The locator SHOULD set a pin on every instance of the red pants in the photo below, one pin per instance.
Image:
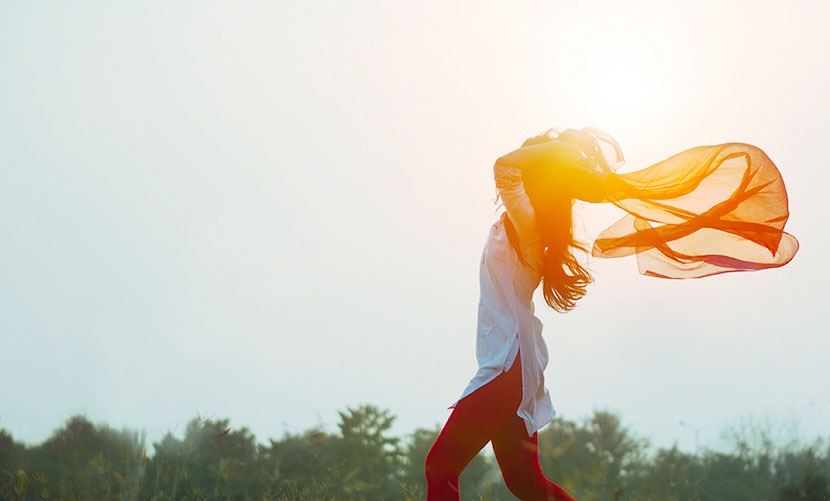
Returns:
(489, 414)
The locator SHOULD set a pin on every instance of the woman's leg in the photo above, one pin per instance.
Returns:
(518, 457)
(474, 421)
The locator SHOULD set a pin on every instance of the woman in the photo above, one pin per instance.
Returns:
(707, 210)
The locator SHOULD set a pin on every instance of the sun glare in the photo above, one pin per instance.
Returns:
(625, 90)
(621, 90)
(617, 81)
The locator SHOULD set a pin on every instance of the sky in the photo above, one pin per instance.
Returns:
(273, 211)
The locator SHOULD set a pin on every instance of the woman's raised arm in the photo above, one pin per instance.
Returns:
(546, 155)
(517, 205)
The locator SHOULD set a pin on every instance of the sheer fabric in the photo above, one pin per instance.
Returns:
(704, 211)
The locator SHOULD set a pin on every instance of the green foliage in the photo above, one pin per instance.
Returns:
(596, 459)
(211, 462)
(366, 456)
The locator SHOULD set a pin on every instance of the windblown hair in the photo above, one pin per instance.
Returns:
(564, 279)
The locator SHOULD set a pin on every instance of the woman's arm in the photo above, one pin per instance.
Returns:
(517, 205)
(545, 155)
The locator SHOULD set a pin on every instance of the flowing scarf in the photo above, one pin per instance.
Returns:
(704, 211)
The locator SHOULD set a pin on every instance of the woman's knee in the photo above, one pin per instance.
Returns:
(433, 466)
(525, 485)
(438, 466)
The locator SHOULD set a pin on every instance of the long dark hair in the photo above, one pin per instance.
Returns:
(564, 279)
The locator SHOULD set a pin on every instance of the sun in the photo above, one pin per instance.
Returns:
(622, 89)
(617, 82)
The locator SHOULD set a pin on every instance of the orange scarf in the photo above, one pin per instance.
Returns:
(704, 211)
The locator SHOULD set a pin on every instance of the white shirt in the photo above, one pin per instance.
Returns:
(506, 320)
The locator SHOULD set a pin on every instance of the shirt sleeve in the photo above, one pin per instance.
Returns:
(517, 204)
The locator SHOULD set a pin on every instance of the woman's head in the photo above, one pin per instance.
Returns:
(564, 280)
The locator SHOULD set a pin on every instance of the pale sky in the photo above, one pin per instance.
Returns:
(269, 211)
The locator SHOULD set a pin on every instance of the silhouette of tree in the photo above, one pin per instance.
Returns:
(420, 442)
(297, 461)
(80, 459)
(803, 474)
(212, 461)
(367, 458)
(10, 451)
(596, 457)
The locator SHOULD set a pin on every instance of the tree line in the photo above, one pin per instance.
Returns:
(596, 458)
